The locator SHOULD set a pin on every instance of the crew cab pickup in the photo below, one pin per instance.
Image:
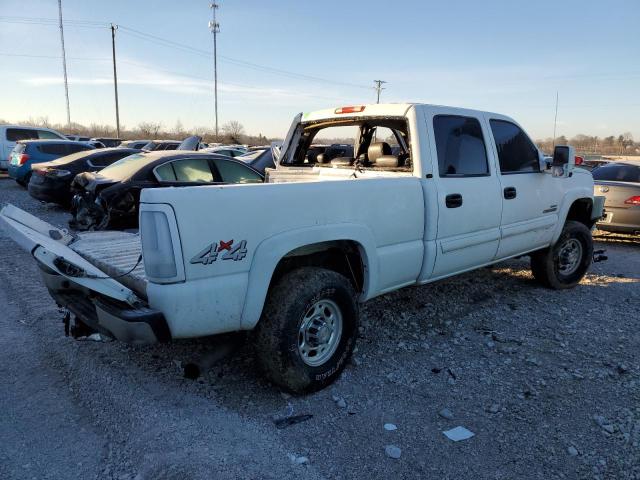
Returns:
(429, 192)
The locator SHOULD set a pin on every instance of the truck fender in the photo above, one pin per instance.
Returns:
(569, 198)
(270, 251)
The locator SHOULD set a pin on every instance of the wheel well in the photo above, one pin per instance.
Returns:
(580, 211)
(341, 256)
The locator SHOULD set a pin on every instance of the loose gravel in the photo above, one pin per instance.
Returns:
(548, 381)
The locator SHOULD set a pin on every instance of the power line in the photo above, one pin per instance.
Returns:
(243, 63)
(185, 48)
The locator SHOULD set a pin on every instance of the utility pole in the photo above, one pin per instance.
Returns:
(115, 76)
(64, 63)
(379, 88)
(214, 26)
(555, 122)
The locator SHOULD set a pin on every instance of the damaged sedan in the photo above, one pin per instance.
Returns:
(110, 198)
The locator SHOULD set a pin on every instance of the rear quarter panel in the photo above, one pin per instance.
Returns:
(384, 216)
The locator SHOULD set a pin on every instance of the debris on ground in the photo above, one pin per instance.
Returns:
(393, 451)
(458, 433)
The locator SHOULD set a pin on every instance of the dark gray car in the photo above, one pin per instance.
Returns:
(619, 182)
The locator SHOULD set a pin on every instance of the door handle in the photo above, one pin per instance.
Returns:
(510, 193)
(453, 200)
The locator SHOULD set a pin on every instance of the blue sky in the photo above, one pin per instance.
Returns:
(505, 56)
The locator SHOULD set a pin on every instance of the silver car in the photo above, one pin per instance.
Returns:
(619, 182)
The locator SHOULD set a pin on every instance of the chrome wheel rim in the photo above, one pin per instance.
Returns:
(320, 332)
(569, 256)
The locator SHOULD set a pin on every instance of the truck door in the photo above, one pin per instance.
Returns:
(530, 197)
(469, 201)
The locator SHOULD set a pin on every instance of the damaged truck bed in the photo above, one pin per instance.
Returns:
(117, 254)
(98, 276)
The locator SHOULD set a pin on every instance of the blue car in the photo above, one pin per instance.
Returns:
(28, 152)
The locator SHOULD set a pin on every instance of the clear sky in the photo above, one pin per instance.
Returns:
(508, 56)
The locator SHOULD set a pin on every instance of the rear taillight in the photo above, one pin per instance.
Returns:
(579, 160)
(635, 200)
(157, 246)
(23, 159)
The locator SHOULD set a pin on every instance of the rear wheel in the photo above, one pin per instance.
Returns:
(565, 263)
(308, 329)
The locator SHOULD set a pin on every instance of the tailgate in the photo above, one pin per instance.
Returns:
(50, 246)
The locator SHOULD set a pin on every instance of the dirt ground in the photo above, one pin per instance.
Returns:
(549, 383)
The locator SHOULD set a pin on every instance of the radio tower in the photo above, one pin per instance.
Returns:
(214, 26)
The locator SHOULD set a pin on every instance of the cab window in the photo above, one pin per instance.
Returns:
(460, 146)
(516, 152)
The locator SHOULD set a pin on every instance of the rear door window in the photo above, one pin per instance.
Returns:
(15, 134)
(165, 173)
(460, 146)
(74, 148)
(617, 173)
(516, 152)
(54, 149)
(192, 170)
(47, 135)
(235, 172)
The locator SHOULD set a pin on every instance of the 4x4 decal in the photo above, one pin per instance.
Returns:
(222, 250)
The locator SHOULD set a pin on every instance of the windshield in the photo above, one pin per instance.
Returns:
(126, 167)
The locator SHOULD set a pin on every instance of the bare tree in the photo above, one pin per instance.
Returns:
(179, 129)
(149, 129)
(233, 130)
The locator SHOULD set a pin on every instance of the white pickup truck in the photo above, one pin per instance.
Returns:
(429, 192)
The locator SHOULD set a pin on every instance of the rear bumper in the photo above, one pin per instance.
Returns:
(624, 220)
(137, 325)
(58, 193)
(14, 171)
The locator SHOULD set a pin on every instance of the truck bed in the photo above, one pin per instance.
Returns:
(115, 253)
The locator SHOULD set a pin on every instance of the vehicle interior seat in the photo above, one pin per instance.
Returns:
(380, 155)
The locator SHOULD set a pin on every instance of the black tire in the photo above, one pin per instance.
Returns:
(25, 182)
(277, 335)
(547, 266)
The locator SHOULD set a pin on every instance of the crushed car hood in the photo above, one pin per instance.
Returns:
(89, 181)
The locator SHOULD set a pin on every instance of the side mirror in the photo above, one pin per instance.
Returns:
(564, 159)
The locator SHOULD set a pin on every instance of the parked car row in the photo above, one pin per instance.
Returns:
(102, 186)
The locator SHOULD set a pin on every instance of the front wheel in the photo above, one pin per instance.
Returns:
(308, 329)
(565, 263)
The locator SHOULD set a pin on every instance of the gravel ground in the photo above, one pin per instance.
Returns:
(549, 383)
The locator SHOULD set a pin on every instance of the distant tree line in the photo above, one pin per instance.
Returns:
(231, 132)
(622, 144)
